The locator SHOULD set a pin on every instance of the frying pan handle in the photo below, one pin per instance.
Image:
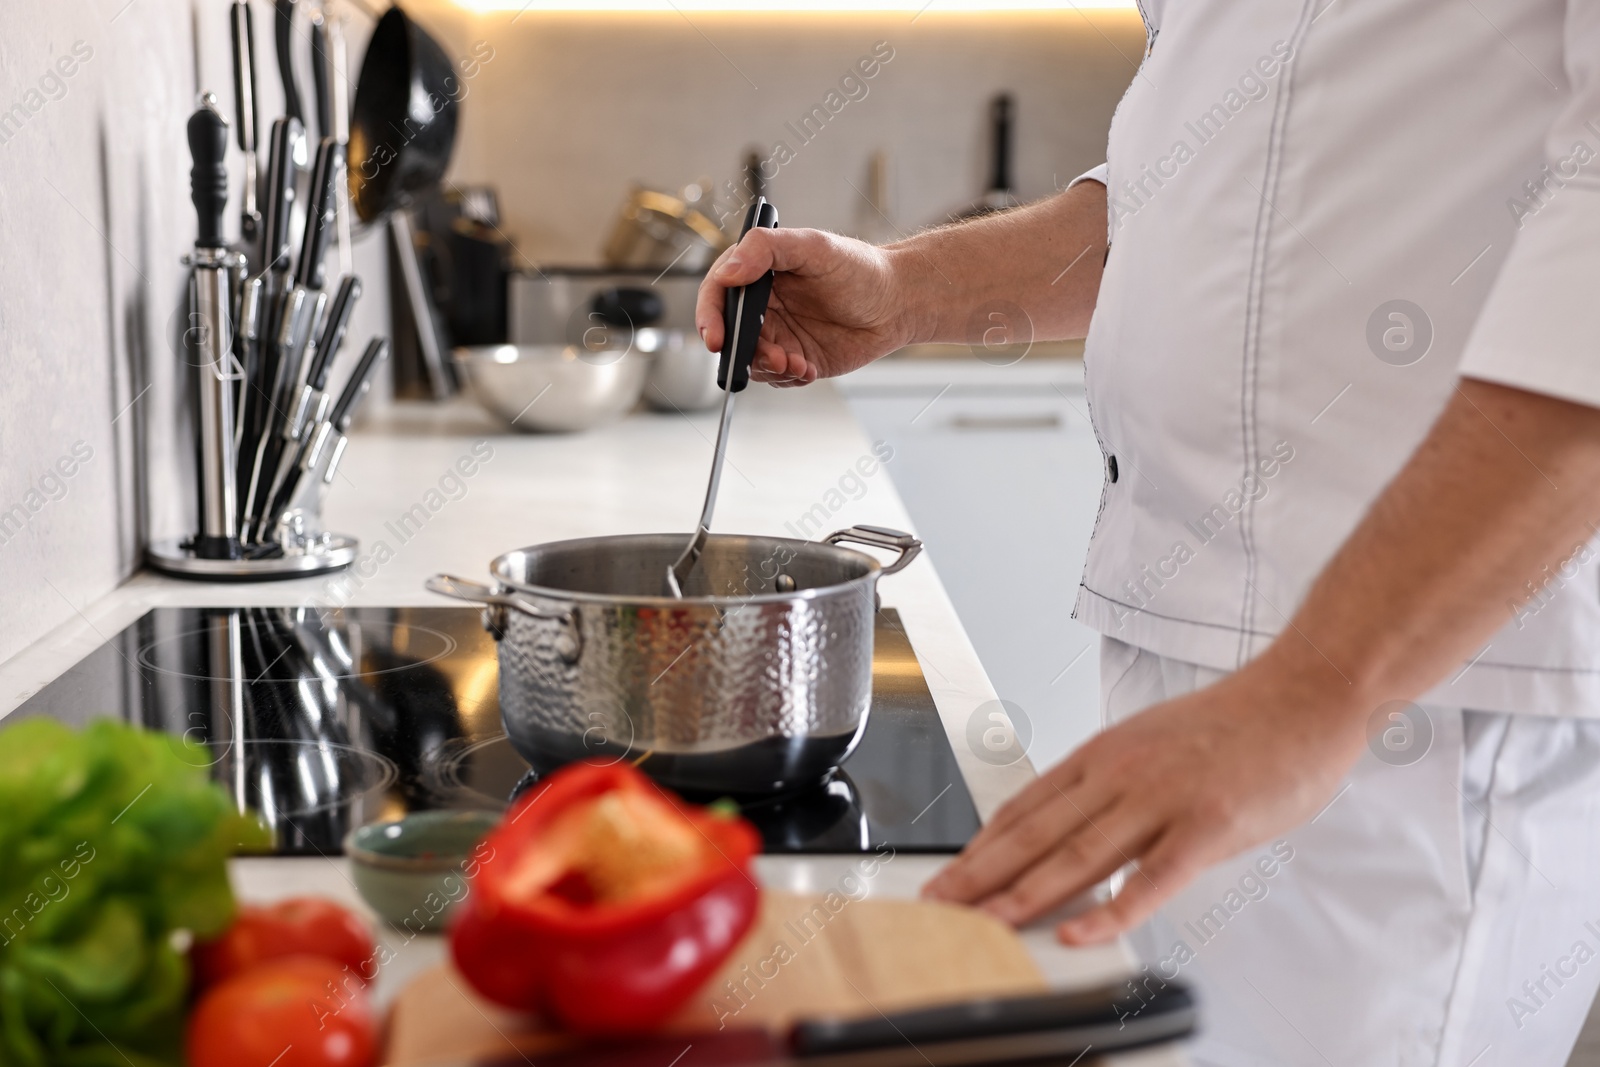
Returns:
(881, 537)
(497, 602)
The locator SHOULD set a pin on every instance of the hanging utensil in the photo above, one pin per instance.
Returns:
(283, 25)
(402, 131)
(321, 85)
(244, 99)
(743, 313)
(999, 195)
(218, 537)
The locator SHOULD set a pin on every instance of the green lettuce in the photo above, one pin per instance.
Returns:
(113, 850)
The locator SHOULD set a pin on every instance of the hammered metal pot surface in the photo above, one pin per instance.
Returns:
(744, 686)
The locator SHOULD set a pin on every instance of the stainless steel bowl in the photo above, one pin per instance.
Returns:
(554, 388)
(684, 375)
(757, 681)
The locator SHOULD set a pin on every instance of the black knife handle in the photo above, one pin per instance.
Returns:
(333, 331)
(360, 381)
(208, 180)
(280, 195)
(745, 310)
(319, 77)
(319, 216)
(285, 41)
(244, 67)
(1112, 1005)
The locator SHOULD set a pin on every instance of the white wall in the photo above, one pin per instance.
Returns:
(572, 107)
(94, 216)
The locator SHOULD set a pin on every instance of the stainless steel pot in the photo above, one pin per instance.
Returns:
(662, 230)
(758, 681)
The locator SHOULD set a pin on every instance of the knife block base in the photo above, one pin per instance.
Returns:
(176, 557)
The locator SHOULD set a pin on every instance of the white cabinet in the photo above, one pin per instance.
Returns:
(1001, 473)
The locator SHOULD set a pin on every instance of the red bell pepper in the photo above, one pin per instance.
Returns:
(604, 901)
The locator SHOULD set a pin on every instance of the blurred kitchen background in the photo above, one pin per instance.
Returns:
(563, 112)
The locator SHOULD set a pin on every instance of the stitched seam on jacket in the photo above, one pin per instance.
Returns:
(1225, 626)
(1250, 362)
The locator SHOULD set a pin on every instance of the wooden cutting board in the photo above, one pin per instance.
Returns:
(799, 960)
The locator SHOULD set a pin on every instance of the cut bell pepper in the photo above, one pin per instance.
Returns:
(604, 901)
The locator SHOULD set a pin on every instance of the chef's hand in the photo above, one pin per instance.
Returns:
(833, 305)
(1174, 789)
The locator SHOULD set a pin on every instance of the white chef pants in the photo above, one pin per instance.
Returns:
(1442, 912)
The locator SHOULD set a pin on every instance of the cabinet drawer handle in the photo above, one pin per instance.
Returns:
(1048, 421)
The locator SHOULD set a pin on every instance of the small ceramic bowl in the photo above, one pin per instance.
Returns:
(414, 871)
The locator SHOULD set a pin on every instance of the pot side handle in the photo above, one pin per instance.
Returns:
(496, 602)
(881, 537)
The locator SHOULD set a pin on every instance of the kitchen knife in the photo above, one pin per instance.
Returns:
(301, 307)
(319, 217)
(331, 435)
(322, 90)
(244, 101)
(218, 537)
(246, 335)
(745, 310)
(1053, 1028)
(278, 266)
(280, 197)
(344, 409)
(284, 27)
(311, 406)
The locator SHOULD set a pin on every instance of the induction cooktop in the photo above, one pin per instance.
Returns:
(323, 721)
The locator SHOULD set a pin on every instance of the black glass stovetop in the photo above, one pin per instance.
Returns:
(325, 721)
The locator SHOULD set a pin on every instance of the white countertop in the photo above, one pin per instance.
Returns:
(788, 452)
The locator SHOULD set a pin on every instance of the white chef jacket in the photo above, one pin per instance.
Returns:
(1322, 213)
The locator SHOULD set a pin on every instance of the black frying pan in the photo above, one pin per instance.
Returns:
(403, 121)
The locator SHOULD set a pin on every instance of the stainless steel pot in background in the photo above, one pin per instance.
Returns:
(658, 230)
(758, 681)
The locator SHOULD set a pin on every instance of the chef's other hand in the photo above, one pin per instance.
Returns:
(1178, 787)
(833, 305)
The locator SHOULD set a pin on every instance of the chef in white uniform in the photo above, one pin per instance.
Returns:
(1340, 279)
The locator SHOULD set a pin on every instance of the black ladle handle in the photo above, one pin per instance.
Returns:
(745, 310)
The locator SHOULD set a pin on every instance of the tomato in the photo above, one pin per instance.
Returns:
(299, 926)
(298, 1011)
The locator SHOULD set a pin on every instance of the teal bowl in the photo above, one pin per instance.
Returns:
(414, 871)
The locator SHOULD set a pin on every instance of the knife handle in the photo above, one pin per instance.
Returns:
(745, 310)
(996, 1017)
(360, 381)
(208, 179)
(244, 76)
(285, 40)
(280, 196)
(321, 86)
(332, 338)
(319, 215)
